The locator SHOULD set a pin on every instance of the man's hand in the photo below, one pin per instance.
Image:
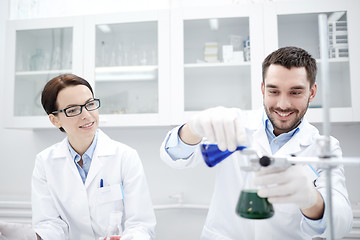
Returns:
(290, 185)
(219, 125)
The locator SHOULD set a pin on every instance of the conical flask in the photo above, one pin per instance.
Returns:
(213, 155)
(250, 205)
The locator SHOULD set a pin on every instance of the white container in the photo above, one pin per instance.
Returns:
(227, 53)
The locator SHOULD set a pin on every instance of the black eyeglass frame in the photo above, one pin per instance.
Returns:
(81, 108)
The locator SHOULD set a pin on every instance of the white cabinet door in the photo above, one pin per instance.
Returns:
(296, 24)
(216, 58)
(127, 62)
(37, 51)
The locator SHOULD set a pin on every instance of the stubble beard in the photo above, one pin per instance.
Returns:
(287, 127)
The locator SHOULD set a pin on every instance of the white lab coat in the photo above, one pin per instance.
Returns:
(65, 208)
(288, 222)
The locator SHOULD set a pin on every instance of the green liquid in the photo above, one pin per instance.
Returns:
(250, 205)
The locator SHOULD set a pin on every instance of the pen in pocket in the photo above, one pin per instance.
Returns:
(101, 183)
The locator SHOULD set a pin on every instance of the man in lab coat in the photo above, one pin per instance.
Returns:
(279, 129)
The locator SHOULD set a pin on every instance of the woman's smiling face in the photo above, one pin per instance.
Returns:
(82, 126)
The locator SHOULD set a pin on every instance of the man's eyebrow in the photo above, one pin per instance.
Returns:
(300, 87)
(271, 86)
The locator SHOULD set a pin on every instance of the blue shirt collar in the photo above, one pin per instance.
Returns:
(89, 152)
(269, 128)
(276, 142)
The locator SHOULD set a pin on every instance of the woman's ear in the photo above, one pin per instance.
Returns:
(54, 120)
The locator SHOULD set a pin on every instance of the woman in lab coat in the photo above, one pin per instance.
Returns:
(78, 182)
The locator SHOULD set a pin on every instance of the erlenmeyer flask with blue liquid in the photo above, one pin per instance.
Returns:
(213, 155)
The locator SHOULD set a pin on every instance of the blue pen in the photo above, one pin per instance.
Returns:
(101, 183)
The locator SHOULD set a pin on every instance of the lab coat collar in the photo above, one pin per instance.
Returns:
(105, 147)
(301, 139)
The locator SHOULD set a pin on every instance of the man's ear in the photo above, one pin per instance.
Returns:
(54, 120)
(313, 92)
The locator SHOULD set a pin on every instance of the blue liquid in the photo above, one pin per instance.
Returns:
(213, 155)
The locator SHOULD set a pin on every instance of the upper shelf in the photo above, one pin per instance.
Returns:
(220, 64)
(42, 72)
(126, 73)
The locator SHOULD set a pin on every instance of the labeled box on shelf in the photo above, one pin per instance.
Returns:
(211, 52)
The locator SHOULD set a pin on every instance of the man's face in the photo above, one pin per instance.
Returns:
(286, 96)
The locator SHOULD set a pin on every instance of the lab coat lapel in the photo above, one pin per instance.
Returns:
(62, 151)
(260, 140)
(95, 167)
(104, 147)
(300, 140)
(291, 147)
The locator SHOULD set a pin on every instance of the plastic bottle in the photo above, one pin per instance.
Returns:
(114, 231)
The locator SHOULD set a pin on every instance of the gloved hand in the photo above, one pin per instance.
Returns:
(220, 125)
(289, 185)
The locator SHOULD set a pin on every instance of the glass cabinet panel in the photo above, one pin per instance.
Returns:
(126, 74)
(41, 54)
(301, 30)
(217, 63)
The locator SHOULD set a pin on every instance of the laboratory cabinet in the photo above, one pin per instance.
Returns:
(38, 50)
(127, 60)
(216, 58)
(204, 77)
(161, 67)
(291, 24)
(119, 54)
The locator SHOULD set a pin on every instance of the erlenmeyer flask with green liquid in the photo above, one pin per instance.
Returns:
(250, 205)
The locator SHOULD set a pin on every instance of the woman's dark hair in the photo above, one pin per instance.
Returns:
(54, 86)
(291, 57)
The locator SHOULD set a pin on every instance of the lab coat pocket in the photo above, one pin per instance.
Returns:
(110, 193)
(109, 199)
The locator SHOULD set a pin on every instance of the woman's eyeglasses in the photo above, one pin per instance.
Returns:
(77, 109)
